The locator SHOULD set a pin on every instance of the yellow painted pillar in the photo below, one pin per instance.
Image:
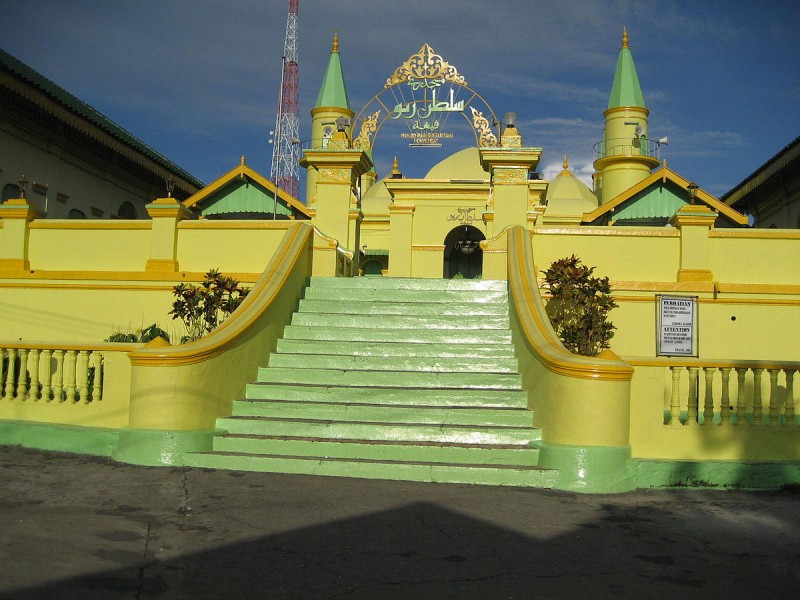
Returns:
(401, 230)
(510, 168)
(166, 214)
(694, 223)
(338, 206)
(16, 214)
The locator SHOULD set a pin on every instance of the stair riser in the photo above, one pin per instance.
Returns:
(384, 414)
(400, 283)
(416, 309)
(393, 322)
(416, 453)
(405, 296)
(379, 379)
(366, 363)
(286, 346)
(367, 470)
(377, 431)
(389, 396)
(417, 336)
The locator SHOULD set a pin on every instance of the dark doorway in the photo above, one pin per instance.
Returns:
(463, 256)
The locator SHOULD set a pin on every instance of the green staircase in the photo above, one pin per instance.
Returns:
(384, 378)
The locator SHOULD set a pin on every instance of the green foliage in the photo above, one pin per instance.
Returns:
(142, 336)
(579, 306)
(203, 307)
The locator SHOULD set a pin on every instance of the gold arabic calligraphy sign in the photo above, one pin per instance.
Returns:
(425, 64)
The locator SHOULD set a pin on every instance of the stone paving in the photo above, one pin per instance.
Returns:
(83, 527)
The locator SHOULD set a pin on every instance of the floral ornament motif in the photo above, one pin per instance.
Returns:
(486, 138)
(425, 64)
(368, 127)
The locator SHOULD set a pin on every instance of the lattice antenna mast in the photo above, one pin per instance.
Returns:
(285, 170)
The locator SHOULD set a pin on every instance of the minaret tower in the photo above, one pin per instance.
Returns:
(626, 155)
(285, 170)
(332, 103)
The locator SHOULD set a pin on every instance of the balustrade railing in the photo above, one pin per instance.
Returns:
(52, 373)
(739, 393)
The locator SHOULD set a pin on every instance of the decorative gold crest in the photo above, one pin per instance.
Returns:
(368, 127)
(486, 138)
(425, 64)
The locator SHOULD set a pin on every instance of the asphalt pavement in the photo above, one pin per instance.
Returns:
(84, 527)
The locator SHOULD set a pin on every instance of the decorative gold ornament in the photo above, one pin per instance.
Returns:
(327, 175)
(509, 174)
(425, 64)
(486, 138)
(368, 127)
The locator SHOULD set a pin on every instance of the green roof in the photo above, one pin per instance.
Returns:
(80, 108)
(626, 90)
(333, 91)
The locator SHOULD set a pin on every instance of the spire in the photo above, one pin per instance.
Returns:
(565, 165)
(333, 92)
(626, 90)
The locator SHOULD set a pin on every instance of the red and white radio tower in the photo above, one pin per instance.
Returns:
(286, 150)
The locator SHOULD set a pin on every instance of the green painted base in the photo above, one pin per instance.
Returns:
(59, 438)
(156, 447)
(590, 470)
(716, 474)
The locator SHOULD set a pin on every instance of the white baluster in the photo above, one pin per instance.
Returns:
(58, 378)
(675, 400)
(788, 413)
(692, 408)
(725, 401)
(757, 409)
(774, 414)
(69, 374)
(708, 404)
(12, 359)
(33, 391)
(47, 376)
(741, 402)
(22, 379)
(82, 376)
(97, 387)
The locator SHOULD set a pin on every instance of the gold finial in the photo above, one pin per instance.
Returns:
(624, 37)
(242, 159)
(335, 41)
(395, 167)
(565, 164)
(665, 163)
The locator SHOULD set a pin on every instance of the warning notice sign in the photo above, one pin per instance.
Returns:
(677, 325)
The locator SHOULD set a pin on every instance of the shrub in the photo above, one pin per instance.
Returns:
(143, 335)
(579, 306)
(203, 307)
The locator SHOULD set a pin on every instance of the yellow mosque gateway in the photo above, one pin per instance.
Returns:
(396, 327)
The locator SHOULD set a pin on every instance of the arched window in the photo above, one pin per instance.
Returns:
(74, 213)
(127, 211)
(10, 191)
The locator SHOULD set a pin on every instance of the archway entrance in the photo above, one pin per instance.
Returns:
(463, 256)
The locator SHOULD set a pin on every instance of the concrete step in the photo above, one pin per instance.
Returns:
(388, 396)
(469, 323)
(380, 431)
(399, 283)
(447, 415)
(409, 350)
(381, 379)
(381, 334)
(356, 306)
(423, 452)
(404, 295)
(394, 363)
(520, 476)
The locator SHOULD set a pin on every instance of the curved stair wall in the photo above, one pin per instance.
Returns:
(177, 392)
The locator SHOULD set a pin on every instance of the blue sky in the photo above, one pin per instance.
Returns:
(199, 80)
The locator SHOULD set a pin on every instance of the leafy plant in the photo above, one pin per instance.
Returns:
(143, 335)
(203, 307)
(579, 306)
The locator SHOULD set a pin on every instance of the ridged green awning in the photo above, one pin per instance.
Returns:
(243, 197)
